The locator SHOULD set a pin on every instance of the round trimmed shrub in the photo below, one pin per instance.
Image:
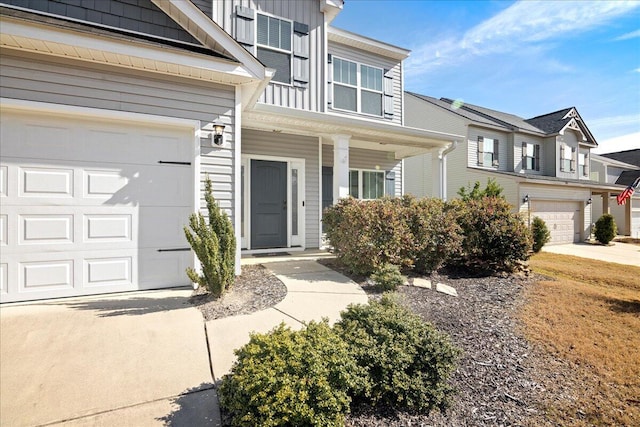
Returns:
(388, 277)
(540, 233)
(606, 229)
(291, 378)
(407, 361)
(495, 237)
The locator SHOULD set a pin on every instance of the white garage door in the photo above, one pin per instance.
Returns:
(635, 221)
(91, 206)
(563, 219)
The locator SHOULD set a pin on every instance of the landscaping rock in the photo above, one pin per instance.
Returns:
(446, 289)
(422, 283)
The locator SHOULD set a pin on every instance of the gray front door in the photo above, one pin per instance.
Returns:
(268, 204)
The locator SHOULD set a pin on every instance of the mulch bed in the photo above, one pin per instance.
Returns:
(501, 379)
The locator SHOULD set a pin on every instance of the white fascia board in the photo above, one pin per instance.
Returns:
(348, 124)
(365, 43)
(86, 42)
(612, 162)
(207, 32)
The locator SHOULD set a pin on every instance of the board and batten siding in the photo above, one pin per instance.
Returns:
(60, 82)
(393, 67)
(311, 97)
(293, 146)
(360, 158)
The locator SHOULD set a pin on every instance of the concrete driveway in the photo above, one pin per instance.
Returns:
(620, 253)
(129, 359)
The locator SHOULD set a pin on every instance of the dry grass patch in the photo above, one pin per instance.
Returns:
(590, 316)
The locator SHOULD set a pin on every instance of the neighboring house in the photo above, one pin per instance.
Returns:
(108, 113)
(611, 168)
(542, 163)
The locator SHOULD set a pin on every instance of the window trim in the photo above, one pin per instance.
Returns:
(361, 182)
(275, 49)
(535, 159)
(583, 168)
(572, 162)
(495, 158)
(358, 87)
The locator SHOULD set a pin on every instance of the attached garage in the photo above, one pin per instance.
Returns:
(93, 204)
(563, 219)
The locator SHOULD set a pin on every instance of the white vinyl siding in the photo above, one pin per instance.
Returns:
(476, 150)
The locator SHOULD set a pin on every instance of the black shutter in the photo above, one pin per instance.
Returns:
(480, 152)
(537, 156)
(573, 159)
(496, 161)
(244, 26)
(562, 157)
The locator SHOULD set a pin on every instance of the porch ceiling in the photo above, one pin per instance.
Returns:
(364, 133)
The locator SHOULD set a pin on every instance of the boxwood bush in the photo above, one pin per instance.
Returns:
(291, 378)
(407, 362)
(606, 229)
(540, 233)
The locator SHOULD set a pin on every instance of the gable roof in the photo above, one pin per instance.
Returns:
(552, 122)
(628, 177)
(631, 157)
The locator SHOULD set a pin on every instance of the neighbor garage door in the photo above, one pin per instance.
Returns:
(91, 206)
(562, 219)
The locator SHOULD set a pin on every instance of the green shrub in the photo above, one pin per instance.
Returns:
(291, 378)
(495, 238)
(388, 277)
(493, 189)
(214, 243)
(366, 234)
(606, 229)
(436, 236)
(408, 362)
(540, 234)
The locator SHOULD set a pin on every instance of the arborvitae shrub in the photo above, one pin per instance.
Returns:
(606, 229)
(407, 362)
(540, 233)
(214, 243)
(291, 378)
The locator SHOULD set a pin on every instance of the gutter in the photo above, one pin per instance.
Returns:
(442, 156)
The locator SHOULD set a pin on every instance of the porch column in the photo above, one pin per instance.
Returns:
(627, 215)
(340, 167)
(605, 203)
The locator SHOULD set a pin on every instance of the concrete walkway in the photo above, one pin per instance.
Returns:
(313, 292)
(619, 253)
(143, 358)
(121, 359)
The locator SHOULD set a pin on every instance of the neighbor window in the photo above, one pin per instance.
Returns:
(567, 164)
(530, 156)
(274, 46)
(583, 166)
(365, 184)
(357, 87)
(487, 152)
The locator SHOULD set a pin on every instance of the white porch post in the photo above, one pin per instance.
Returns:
(605, 203)
(340, 167)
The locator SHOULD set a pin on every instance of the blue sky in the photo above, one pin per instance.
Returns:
(526, 57)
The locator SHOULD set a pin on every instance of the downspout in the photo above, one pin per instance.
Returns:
(442, 155)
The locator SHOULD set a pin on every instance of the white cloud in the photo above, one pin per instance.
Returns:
(632, 35)
(620, 143)
(524, 24)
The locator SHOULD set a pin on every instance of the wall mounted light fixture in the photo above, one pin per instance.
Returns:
(217, 136)
(525, 199)
(589, 201)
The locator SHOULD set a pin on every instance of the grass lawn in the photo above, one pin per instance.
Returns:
(590, 316)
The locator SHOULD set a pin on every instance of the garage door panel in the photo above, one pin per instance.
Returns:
(562, 219)
(86, 207)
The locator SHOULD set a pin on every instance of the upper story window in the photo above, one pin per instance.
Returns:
(487, 152)
(357, 87)
(274, 46)
(365, 184)
(530, 156)
(567, 155)
(583, 165)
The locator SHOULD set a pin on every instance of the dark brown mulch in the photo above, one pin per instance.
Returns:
(499, 375)
(254, 290)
